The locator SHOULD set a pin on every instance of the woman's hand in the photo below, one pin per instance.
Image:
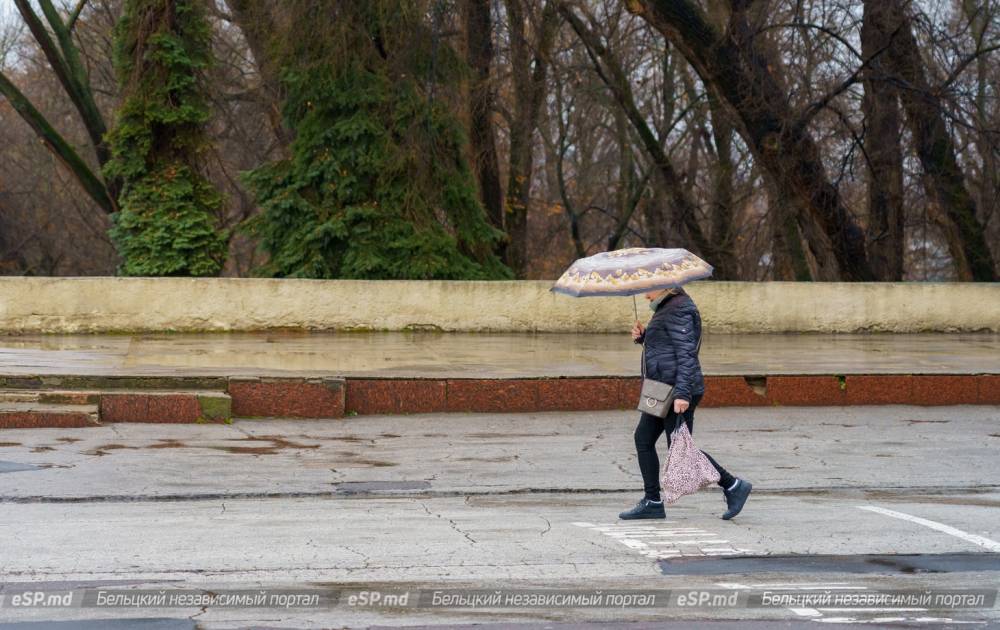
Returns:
(638, 331)
(680, 405)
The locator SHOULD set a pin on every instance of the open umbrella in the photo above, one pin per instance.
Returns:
(631, 271)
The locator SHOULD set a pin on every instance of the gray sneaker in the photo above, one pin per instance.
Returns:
(644, 509)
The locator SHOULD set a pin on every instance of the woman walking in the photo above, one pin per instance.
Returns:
(671, 356)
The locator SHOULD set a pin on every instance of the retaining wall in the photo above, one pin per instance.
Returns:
(111, 304)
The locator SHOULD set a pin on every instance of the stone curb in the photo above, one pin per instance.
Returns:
(327, 397)
(403, 396)
(165, 407)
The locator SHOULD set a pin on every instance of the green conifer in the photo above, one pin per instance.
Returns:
(377, 184)
(166, 224)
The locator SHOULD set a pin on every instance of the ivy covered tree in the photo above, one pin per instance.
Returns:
(167, 223)
(377, 183)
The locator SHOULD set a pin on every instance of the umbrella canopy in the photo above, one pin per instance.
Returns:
(631, 271)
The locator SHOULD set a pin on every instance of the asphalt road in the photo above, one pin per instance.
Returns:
(378, 521)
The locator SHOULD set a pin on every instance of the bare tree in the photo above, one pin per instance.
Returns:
(944, 178)
(732, 64)
(883, 146)
(529, 72)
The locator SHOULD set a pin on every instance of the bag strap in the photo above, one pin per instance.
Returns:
(697, 349)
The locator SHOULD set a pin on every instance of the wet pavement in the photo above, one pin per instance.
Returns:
(480, 355)
(852, 450)
(855, 500)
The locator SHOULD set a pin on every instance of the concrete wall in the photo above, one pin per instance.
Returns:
(100, 304)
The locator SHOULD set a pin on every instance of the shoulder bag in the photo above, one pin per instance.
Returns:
(657, 398)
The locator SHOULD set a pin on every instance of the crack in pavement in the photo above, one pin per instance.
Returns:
(364, 557)
(621, 467)
(453, 524)
(548, 526)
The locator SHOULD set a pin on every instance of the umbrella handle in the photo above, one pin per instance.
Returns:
(635, 309)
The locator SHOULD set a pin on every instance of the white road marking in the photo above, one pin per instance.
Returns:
(982, 541)
(674, 543)
(806, 612)
(666, 539)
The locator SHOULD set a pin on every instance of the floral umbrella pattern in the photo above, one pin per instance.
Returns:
(631, 271)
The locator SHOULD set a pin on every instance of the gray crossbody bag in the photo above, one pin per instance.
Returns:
(657, 398)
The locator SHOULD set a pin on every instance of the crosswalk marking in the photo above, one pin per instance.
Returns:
(666, 539)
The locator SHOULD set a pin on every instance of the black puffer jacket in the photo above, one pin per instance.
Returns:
(671, 342)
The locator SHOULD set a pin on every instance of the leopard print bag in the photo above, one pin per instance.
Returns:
(686, 469)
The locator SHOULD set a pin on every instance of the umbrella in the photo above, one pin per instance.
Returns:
(631, 271)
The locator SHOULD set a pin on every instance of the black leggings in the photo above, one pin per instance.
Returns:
(648, 432)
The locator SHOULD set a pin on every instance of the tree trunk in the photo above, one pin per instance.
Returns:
(883, 148)
(943, 176)
(722, 215)
(788, 258)
(981, 18)
(262, 26)
(530, 71)
(482, 139)
(741, 74)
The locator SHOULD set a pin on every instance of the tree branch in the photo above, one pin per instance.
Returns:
(71, 22)
(815, 107)
(614, 78)
(65, 62)
(53, 141)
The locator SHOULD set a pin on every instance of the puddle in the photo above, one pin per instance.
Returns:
(264, 445)
(10, 444)
(278, 442)
(101, 451)
(350, 457)
(906, 564)
(164, 444)
(928, 421)
(246, 450)
(8, 467)
(273, 445)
